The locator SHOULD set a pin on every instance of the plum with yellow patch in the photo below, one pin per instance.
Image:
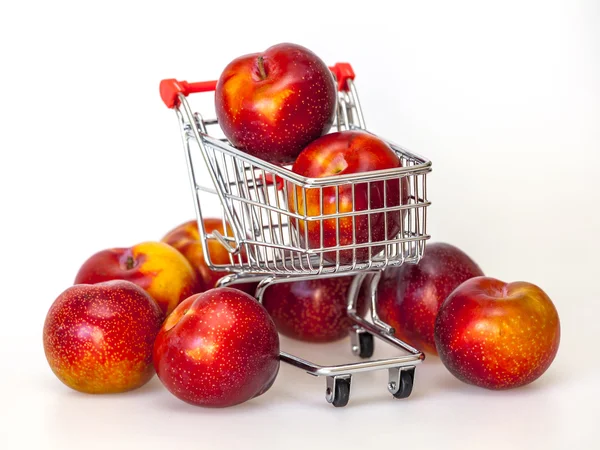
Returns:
(186, 239)
(154, 266)
(497, 335)
(272, 104)
(341, 153)
(99, 338)
(217, 349)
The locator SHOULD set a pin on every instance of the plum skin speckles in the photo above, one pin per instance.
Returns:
(217, 349)
(99, 338)
(497, 335)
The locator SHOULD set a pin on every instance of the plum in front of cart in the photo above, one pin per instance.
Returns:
(217, 349)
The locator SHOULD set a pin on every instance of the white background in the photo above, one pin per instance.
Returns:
(504, 99)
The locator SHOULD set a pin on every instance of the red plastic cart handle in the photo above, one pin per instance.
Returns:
(171, 88)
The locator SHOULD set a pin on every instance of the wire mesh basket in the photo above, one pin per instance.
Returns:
(279, 222)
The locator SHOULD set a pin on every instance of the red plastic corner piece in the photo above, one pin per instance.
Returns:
(170, 90)
(343, 72)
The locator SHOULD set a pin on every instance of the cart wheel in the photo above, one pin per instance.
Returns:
(362, 342)
(342, 393)
(401, 381)
(366, 345)
(338, 391)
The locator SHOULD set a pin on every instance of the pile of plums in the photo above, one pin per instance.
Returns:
(154, 308)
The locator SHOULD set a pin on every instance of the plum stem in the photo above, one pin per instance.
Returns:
(261, 68)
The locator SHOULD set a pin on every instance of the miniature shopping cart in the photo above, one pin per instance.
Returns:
(263, 231)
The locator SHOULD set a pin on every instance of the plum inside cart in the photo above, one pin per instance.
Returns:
(263, 226)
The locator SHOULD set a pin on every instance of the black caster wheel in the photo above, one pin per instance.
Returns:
(401, 382)
(363, 343)
(366, 345)
(338, 391)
